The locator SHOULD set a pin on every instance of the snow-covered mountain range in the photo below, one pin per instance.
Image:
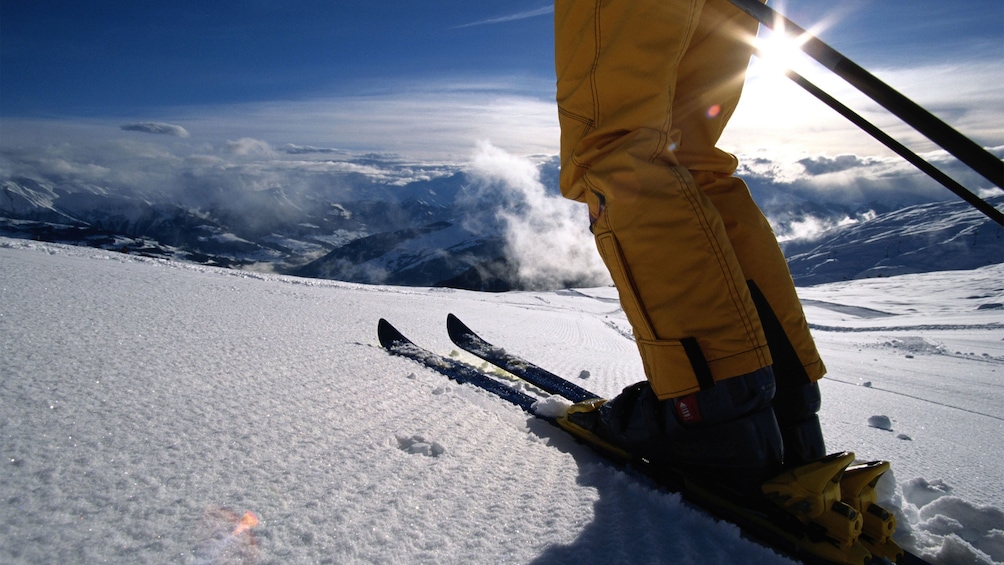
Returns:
(377, 220)
(948, 235)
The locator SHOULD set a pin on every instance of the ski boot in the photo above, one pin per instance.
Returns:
(726, 434)
(797, 399)
(795, 408)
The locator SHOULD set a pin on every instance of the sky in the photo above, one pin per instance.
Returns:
(433, 79)
(100, 58)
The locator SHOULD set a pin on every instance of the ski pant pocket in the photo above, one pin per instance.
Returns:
(668, 363)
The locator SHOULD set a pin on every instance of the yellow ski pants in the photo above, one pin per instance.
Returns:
(644, 89)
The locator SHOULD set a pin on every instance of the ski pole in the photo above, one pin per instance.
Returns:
(898, 148)
(963, 148)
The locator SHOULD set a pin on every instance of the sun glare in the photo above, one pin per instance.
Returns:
(778, 50)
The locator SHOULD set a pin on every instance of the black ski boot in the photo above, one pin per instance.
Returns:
(795, 408)
(727, 433)
(796, 400)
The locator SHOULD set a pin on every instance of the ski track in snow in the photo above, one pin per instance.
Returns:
(147, 406)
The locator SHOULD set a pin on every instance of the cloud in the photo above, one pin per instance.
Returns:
(511, 17)
(293, 149)
(823, 165)
(821, 191)
(98, 157)
(799, 157)
(776, 115)
(547, 236)
(812, 227)
(157, 128)
(438, 121)
(247, 146)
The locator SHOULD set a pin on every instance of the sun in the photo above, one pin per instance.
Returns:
(778, 50)
(780, 47)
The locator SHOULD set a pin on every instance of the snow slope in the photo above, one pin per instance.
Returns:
(163, 412)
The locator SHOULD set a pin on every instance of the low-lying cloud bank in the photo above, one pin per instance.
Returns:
(806, 196)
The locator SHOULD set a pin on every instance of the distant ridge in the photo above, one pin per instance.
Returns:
(938, 236)
(432, 232)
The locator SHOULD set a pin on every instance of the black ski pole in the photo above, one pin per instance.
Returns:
(900, 149)
(963, 148)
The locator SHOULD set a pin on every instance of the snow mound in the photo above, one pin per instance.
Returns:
(552, 407)
(880, 422)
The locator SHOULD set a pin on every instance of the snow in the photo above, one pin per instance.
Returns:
(162, 412)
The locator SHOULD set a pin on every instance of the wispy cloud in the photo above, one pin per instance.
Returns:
(437, 121)
(511, 17)
(434, 124)
(157, 128)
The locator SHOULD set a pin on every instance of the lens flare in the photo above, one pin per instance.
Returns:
(225, 537)
(248, 521)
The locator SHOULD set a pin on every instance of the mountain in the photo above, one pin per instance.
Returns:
(376, 220)
(939, 236)
(279, 228)
(430, 255)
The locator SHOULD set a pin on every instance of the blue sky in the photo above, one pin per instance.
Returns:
(105, 57)
(430, 79)
(96, 58)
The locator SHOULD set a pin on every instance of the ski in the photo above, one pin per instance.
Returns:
(466, 339)
(760, 520)
(395, 342)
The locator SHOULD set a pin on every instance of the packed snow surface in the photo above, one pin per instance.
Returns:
(163, 412)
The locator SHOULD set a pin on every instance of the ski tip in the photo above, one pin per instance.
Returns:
(455, 327)
(388, 334)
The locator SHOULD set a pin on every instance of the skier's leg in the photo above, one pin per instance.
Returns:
(664, 242)
(667, 247)
(700, 110)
